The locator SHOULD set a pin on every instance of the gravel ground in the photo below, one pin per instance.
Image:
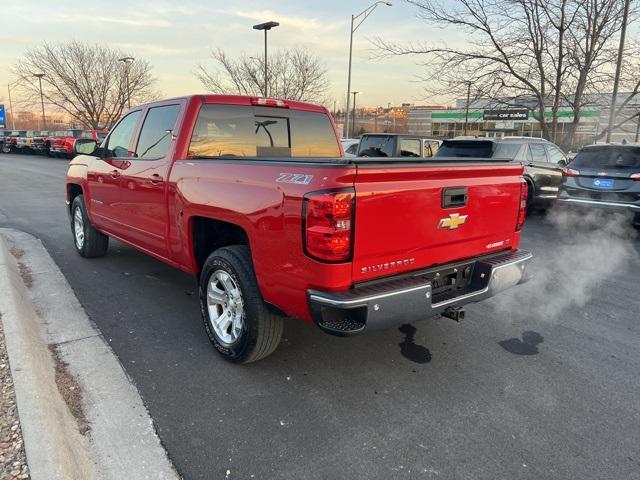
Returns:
(13, 460)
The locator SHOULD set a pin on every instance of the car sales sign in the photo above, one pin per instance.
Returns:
(511, 114)
(3, 121)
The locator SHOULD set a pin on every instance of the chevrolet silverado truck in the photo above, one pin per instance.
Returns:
(254, 197)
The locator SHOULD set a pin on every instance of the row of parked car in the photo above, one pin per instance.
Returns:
(598, 176)
(58, 143)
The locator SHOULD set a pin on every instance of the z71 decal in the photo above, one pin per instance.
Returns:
(297, 178)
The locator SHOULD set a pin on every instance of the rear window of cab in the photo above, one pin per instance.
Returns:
(228, 131)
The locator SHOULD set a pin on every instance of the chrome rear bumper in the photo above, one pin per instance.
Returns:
(408, 299)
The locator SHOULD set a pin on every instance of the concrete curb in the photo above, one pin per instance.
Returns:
(122, 442)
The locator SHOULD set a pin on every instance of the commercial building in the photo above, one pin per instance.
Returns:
(491, 118)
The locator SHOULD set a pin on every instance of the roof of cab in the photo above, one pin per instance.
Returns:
(210, 98)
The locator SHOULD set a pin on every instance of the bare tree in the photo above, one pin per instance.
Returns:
(534, 53)
(294, 73)
(88, 82)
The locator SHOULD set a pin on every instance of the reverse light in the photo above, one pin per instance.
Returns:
(522, 211)
(570, 172)
(328, 225)
(635, 176)
(269, 102)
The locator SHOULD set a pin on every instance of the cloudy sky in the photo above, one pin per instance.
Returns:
(177, 35)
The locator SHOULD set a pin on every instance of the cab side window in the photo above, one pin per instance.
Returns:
(155, 136)
(120, 138)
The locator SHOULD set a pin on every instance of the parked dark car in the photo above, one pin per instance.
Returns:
(397, 145)
(543, 161)
(604, 177)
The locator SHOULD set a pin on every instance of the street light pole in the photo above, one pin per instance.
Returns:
(127, 64)
(364, 14)
(44, 120)
(466, 112)
(353, 125)
(616, 81)
(266, 27)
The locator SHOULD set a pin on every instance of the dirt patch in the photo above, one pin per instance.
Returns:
(25, 273)
(17, 252)
(13, 460)
(70, 390)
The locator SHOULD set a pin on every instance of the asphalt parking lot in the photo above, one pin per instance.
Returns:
(539, 383)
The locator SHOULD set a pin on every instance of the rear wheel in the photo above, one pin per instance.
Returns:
(238, 322)
(531, 191)
(89, 242)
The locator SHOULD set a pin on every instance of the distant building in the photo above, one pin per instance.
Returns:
(488, 118)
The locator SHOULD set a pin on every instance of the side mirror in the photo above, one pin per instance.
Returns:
(562, 163)
(85, 146)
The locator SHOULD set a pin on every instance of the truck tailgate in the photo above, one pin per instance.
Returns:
(410, 217)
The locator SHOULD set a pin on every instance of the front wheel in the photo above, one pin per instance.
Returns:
(238, 322)
(89, 242)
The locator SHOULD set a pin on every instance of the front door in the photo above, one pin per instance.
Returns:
(104, 175)
(143, 184)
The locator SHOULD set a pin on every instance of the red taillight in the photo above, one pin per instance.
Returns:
(635, 176)
(328, 228)
(522, 211)
(570, 172)
(269, 102)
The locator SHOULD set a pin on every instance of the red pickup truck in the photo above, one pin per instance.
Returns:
(62, 142)
(254, 197)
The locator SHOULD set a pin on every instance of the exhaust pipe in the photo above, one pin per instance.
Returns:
(454, 313)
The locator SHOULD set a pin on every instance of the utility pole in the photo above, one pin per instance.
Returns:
(266, 27)
(364, 14)
(13, 117)
(616, 81)
(637, 128)
(44, 120)
(466, 112)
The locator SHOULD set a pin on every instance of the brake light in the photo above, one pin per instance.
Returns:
(522, 210)
(570, 172)
(635, 176)
(269, 102)
(328, 225)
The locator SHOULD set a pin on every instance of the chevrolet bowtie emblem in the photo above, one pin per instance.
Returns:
(453, 222)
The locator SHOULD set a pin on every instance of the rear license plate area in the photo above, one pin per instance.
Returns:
(603, 183)
(450, 280)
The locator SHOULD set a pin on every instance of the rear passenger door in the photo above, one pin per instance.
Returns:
(542, 171)
(143, 184)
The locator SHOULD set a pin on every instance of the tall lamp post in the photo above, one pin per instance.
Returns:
(266, 27)
(353, 120)
(127, 65)
(356, 21)
(44, 120)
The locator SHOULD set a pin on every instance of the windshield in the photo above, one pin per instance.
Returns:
(376, 146)
(618, 158)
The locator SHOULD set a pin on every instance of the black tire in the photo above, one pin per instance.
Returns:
(531, 191)
(261, 329)
(94, 243)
